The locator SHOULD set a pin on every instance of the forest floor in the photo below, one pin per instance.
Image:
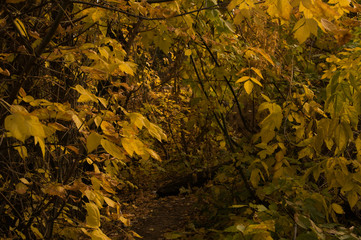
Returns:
(156, 218)
(168, 215)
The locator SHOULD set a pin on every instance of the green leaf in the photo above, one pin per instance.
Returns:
(173, 235)
(255, 177)
(238, 206)
(248, 86)
(352, 198)
(340, 137)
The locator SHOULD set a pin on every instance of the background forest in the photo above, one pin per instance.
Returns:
(102, 98)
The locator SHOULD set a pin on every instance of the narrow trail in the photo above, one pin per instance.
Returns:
(167, 214)
(162, 218)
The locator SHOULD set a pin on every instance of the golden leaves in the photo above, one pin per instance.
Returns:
(342, 35)
(304, 28)
(93, 215)
(22, 125)
(93, 141)
(280, 8)
(112, 149)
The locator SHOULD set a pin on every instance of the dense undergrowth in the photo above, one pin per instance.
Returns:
(96, 94)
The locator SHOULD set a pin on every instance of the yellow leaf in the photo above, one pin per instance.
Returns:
(73, 149)
(153, 154)
(337, 208)
(58, 126)
(93, 141)
(304, 28)
(18, 109)
(127, 67)
(138, 119)
(15, 124)
(329, 26)
(103, 101)
(112, 149)
(108, 128)
(136, 234)
(281, 9)
(21, 27)
(124, 220)
(85, 96)
(28, 99)
(78, 122)
(23, 152)
(341, 138)
(93, 215)
(4, 72)
(248, 86)
(155, 131)
(265, 55)
(25, 181)
(41, 144)
(97, 234)
(55, 190)
(257, 71)
(256, 81)
(36, 232)
(255, 177)
(36, 128)
(243, 79)
(132, 145)
(110, 202)
(104, 52)
(233, 4)
(127, 145)
(188, 52)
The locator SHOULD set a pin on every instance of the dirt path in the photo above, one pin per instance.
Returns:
(154, 217)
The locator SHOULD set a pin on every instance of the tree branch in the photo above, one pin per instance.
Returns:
(142, 17)
(37, 53)
(245, 124)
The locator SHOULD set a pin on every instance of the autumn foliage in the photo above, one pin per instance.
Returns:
(94, 94)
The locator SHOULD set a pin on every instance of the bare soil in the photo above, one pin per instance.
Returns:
(156, 218)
